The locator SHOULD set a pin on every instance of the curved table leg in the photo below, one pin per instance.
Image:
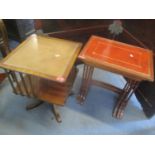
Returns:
(124, 97)
(54, 111)
(56, 114)
(33, 105)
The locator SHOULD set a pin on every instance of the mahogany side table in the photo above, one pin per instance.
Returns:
(43, 68)
(132, 62)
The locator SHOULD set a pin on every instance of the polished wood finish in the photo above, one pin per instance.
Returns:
(106, 85)
(42, 68)
(130, 61)
(47, 90)
(49, 58)
(133, 62)
(86, 79)
(128, 90)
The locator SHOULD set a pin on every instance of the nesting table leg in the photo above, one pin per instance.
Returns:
(86, 79)
(124, 97)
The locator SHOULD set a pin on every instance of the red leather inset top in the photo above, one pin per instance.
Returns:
(118, 55)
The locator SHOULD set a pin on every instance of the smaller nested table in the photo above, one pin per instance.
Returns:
(134, 63)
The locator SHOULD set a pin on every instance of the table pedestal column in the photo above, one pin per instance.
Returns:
(53, 109)
(124, 97)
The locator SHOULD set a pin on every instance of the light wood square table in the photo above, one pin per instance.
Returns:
(48, 67)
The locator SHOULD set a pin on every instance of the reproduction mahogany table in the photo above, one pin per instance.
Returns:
(134, 63)
(48, 67)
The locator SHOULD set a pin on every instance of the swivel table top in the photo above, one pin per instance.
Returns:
(46, 57)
